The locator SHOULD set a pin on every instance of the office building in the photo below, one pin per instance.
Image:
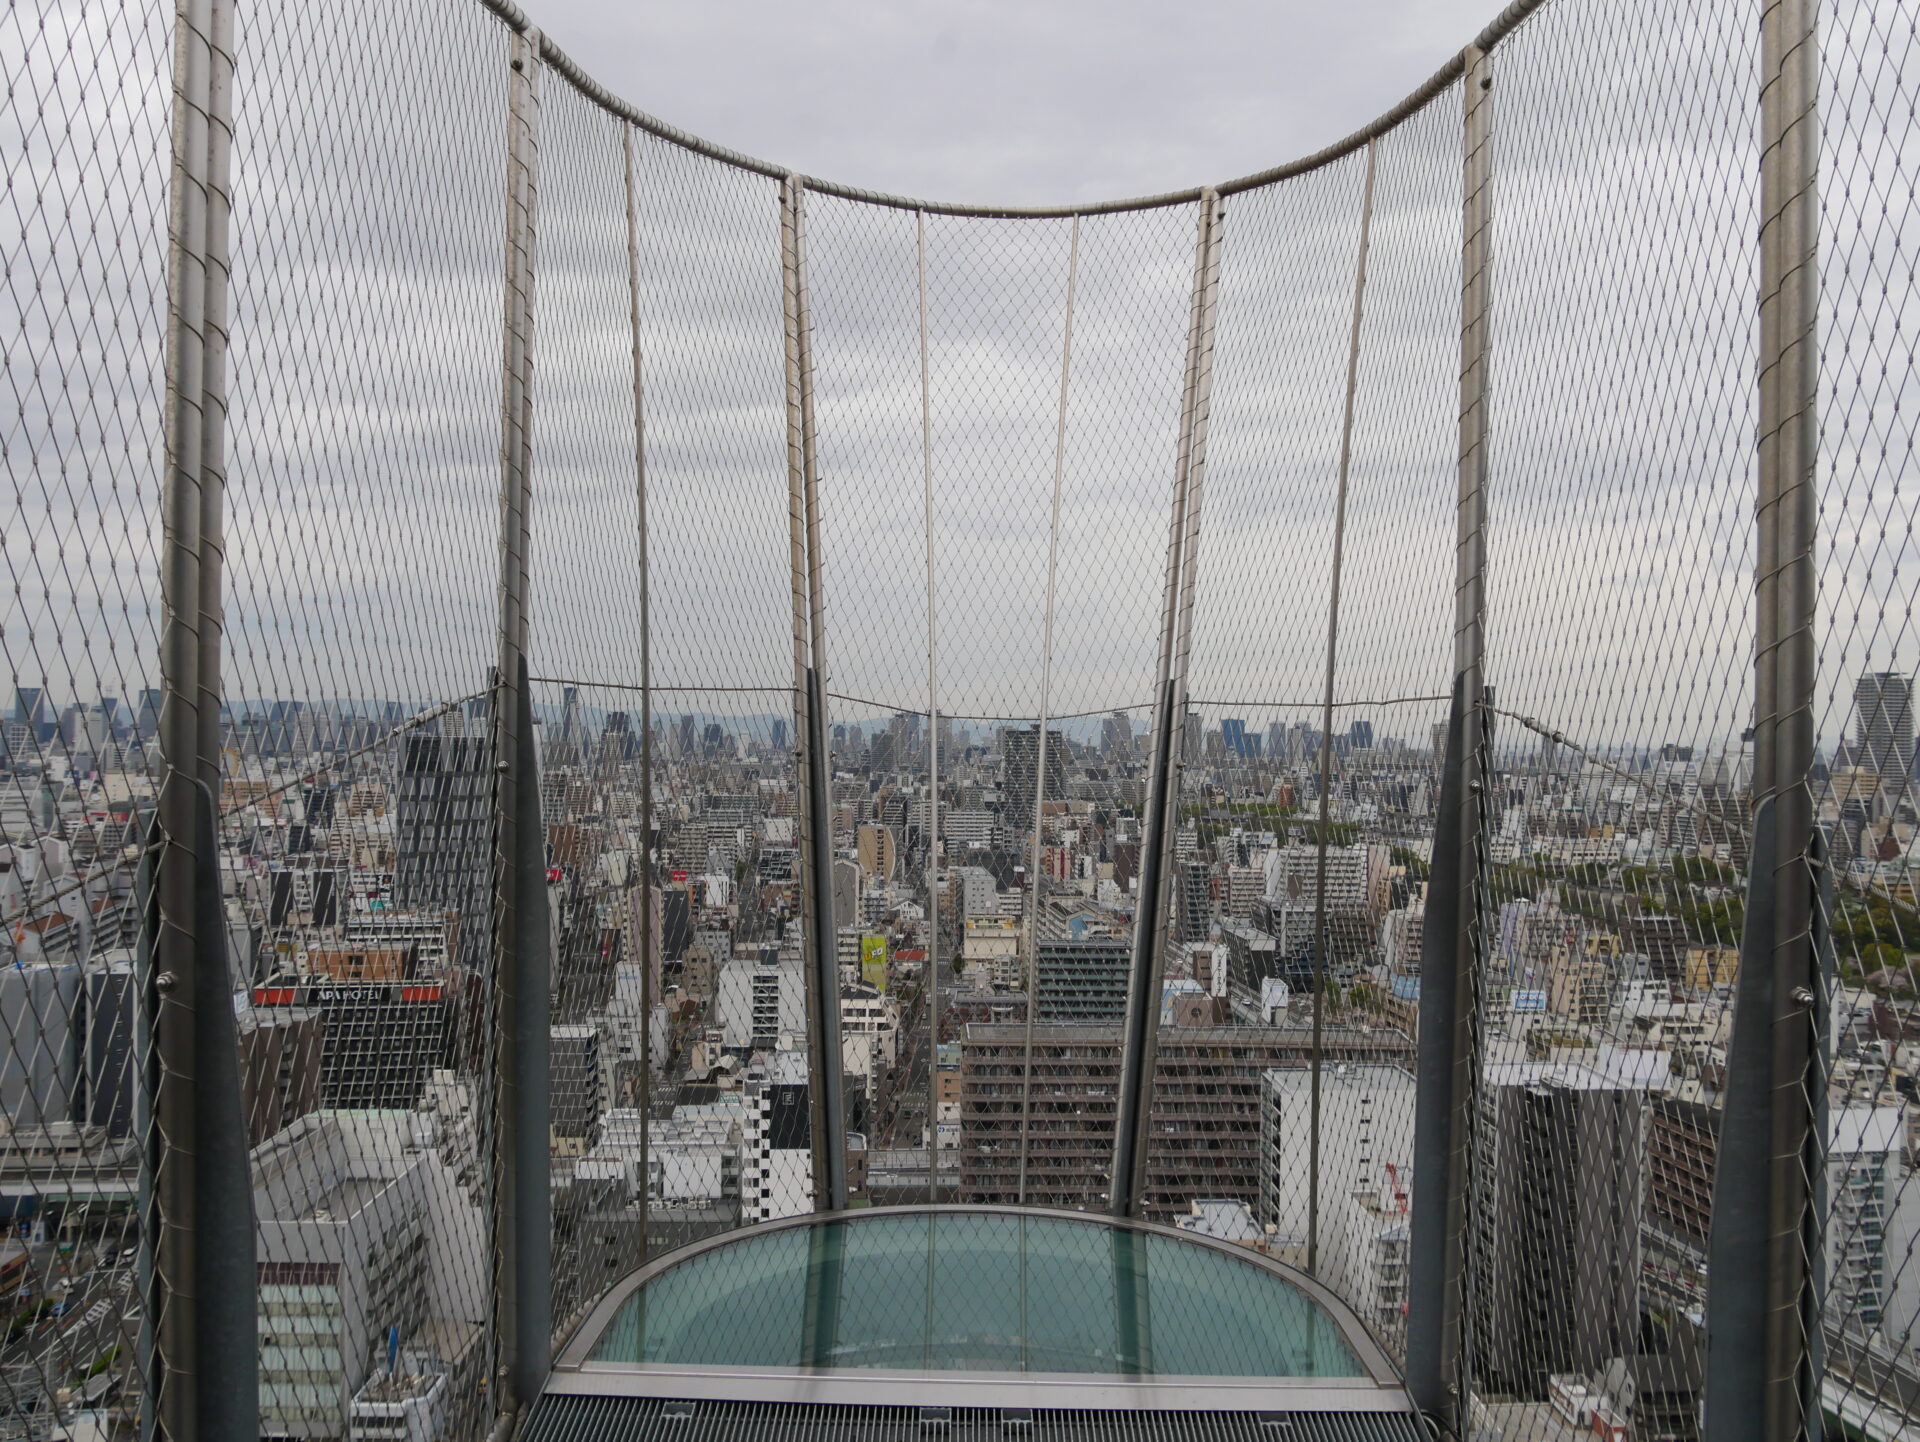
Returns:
(1560, 1158)
(1883, 725)
(1020, 755)
(443, 835)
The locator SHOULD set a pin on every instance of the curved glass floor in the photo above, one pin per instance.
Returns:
(992, 1292)
(978, 1307)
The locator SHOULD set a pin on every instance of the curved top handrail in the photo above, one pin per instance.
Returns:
(569, 69)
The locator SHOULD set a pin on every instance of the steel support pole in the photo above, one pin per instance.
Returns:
(1437, 1376)
(647, 940)
(1046, 698)
(227, 1279)
(1784, 692)
(173, 1226)
(824, 1063)
(521, 938)
(1140, 1034)
(1326, 722)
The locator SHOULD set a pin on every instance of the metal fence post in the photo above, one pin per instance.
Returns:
(521, 940)
(647, 940)
(1139, 1038)
(824, 1065)
(1326, 722)
(1761, 1371)
(172, 1229)
(1437, 1376)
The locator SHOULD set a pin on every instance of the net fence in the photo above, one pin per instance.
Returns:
(721, 696)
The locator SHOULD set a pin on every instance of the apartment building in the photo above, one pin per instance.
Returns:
(1206, 1108)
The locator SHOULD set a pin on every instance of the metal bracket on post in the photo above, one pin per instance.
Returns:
(1140, 1035)
(824, 1064)
(521, 933)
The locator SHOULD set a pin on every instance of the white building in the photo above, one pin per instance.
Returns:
(692, 1158)
(776, 1142)
(360, 1229)
(968, 829)
(1366, 1176)
(1873, 1276)
(869, 1033)
(1293, 875)
(759, 1000)
(979, 896)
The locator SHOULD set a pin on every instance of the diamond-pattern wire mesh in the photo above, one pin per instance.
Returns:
(357, 807)
(357, 839)
(1235, 1104)
(1619, 575)
(1864, 804)
(83, 305)
(902, 475)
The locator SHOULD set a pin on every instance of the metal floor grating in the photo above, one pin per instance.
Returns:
(652, 1419)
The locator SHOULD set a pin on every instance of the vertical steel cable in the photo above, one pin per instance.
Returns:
(1046, 686)
(647, 939)
(1326, 722)
(932, 988)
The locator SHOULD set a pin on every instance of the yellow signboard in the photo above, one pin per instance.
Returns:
(873, 961)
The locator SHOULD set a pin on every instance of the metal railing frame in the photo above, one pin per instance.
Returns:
(1777, 1374)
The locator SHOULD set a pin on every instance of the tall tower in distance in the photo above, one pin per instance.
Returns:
(1883, 724)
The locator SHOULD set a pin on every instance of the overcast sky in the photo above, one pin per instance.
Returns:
(364, 376)
(1013, 101)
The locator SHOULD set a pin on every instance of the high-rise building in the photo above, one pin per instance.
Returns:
(443, 835)
(574, 1081)
(761, 998)
(379, 1039)
(1555, 1231)
(1021, 755)
(1193, 901)
(1116, 736)
(877, 855)
(1883, 725)
(1233, 735)
(1366, 1113)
